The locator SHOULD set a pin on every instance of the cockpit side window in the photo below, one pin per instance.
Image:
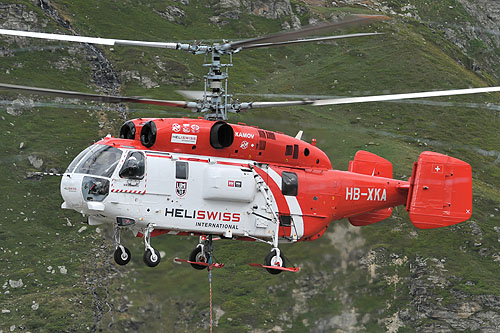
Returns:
(100, 162)
(289, 183)
(133, 168)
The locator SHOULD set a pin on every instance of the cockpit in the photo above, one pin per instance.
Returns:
(92, 170)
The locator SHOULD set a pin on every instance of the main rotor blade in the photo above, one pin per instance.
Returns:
(95, 97)
(378, 98)
(91, 40)
(192, 94)
(307, 31)
(309, 40)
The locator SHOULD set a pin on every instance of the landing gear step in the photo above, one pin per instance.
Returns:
(279, 268)
(214, 265)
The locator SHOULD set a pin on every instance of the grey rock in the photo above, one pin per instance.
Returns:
(16, 283)
(35, 161)
(172, 13)
(271, 9)
(19, 105)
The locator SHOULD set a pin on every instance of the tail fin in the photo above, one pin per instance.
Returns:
(370, 164)
(440, 191)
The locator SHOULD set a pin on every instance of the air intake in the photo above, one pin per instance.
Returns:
(127, 131)
(221, 135)
(148, 134)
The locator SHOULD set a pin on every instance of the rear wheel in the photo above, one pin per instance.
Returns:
(152, 260)
(273, 260)
(197, 256)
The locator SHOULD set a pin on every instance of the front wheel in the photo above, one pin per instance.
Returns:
(152, 259)
(197, 256)
(273, 260)
(122, 257)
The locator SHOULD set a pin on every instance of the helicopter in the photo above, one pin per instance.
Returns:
(213, 179)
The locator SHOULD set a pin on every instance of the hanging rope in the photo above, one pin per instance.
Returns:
(210, 287)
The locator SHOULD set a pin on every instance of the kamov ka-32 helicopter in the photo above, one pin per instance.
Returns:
(210, 178)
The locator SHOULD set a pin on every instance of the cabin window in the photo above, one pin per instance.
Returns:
(289, 183)
(181, 170)
(133, 168)
(262, 145)
(285, 220)
(295, 151)
(288, 150)
(270, 135)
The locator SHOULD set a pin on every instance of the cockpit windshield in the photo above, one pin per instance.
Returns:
(101, 161)
(77, 159)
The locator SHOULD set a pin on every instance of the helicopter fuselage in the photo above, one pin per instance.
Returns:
(174, 187)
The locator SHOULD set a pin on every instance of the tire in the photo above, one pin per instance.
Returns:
(122, 258)
(197, 256)
(148, 260)
(270, 261)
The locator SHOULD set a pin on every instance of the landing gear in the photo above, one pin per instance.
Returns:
(151, 256)
(274, 258)
(122, 254)
(197, 255)
(202, 253)
(152, 259)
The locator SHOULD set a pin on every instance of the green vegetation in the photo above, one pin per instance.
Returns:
(335, 279)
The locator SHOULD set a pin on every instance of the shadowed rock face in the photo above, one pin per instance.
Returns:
(487, 14)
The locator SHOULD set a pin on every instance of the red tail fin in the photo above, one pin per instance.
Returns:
(368, 163)
(440, 191)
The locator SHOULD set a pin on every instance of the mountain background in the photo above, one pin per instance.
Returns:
(57, 273)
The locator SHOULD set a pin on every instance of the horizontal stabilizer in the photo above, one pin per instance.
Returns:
(370, 218)
(367, 163)
(440, 191)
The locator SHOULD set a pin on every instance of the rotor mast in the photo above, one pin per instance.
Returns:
(215, 96)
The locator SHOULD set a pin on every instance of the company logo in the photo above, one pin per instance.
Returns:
(195, 128)
(176, 128)
(181, 188)
(244, 145)
(203, 215)
(184, 138)
(234, 183)
(244, 135)
(70, 189)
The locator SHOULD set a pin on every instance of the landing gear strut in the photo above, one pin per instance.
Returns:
(151, 256)
(122, 254)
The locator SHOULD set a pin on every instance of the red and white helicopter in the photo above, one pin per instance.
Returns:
(210, 178)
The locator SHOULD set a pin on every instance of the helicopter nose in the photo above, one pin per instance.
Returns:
(71, 192)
